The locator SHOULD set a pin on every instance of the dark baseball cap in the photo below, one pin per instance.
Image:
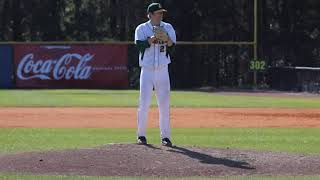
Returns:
(153, 7)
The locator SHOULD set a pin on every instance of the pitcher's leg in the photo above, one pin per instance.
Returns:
(146, 87)
(162, 87)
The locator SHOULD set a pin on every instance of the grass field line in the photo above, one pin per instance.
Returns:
(129, 98)
(293, 140)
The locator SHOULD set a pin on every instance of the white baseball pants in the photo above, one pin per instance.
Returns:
(157, 78)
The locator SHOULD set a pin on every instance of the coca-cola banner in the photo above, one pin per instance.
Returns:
(71, 66)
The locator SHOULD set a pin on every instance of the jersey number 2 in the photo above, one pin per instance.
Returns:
(161, 48)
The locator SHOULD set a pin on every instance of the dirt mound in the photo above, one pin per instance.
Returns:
(137, 160)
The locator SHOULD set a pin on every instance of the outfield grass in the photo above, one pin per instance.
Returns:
(34, 177)
(305, 141)
(129, 98)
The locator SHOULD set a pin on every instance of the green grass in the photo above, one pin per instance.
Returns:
(43, 177)
(129, 98)
(305, 141)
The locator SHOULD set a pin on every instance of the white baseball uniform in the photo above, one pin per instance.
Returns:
(154, 75)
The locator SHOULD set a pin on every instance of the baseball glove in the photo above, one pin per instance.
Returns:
(160, 33)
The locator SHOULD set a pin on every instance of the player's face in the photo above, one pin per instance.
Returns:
(157, 16)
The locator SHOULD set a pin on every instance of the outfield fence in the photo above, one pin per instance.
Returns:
(217, 64)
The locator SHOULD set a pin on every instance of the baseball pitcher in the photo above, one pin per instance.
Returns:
(155, 40)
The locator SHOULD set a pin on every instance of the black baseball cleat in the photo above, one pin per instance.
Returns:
(166, 142)
(142, 140)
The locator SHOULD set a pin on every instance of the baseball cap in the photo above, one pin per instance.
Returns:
(153, 7)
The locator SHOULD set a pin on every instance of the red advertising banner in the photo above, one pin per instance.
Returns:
(71, 66)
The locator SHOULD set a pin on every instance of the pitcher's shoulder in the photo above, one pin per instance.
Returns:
(168, 25)
(142, 25)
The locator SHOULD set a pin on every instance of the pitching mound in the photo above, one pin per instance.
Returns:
(135, 160)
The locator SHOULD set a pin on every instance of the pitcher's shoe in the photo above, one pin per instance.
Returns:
(166, 142)
(142, 140)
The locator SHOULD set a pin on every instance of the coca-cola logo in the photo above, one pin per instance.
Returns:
(55, 69)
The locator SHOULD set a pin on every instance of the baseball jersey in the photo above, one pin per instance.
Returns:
(155, 55)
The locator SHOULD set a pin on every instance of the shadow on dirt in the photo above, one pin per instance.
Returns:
(207, 159)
